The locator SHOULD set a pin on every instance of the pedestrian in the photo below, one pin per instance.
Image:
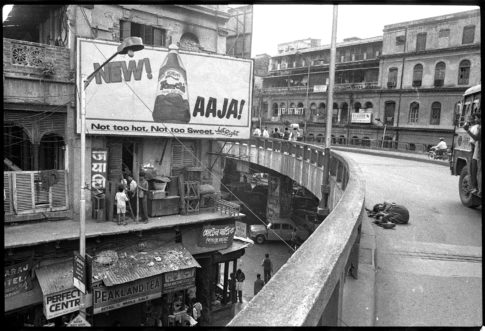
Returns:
(121, 199)
(257, 132)
(232, 288)
(258, 284)
(295, 135)
(267, 268)
(287, 134)
(240, 277)
(276, 134)
(265, 133)
(132, 194)
(196, 309)
(142, 197)
(477, 155)
(293, 240)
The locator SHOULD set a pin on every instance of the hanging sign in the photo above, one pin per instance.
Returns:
(17, 279)
(99, 168)
(217, 235)
(240, 230)
(114, 297)
(79, 321)
(319, 88)
(178, 280)
(79, 272)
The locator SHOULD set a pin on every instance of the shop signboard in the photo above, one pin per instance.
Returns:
(320, 88)
(240, 230)
(361, 117)
(99, 168)
(17, 279)
(115, 297)
(217, 235)
(165, 94)
(178, 280)
(61, 303)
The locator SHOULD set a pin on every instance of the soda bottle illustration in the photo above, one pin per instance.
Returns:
(172, 101)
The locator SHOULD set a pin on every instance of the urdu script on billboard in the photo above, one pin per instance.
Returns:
(125, 95)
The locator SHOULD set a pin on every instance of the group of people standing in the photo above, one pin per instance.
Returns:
(236, 280)
(128, 192)
(286, 135)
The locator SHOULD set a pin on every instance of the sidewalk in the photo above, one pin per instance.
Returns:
(358, 308)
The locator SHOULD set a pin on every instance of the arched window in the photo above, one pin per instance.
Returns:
(313, 108)
(300, 109)
(275, 109)
(389, 109)
(439, 74)
(413, 112)
(51, 152)
(368, 105)
(344, 112)
(355, 140)
(342, 140)
(417, 75)
(321, 110)
(435, 113)
(332, 138)
(17, 147)
(319, 137)
(283, 109)
(366, 141)
(335, 113)
(464, 72)
(357, 106)
(189, 42)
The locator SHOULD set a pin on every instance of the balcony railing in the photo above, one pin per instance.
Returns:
(27, 192)
(356, 86)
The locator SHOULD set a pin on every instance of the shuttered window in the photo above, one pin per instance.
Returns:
(183, 155)
(468, 34)
(115, 161)
(149, 34)
(421, 42)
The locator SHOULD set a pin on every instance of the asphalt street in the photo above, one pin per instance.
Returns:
(429, 272)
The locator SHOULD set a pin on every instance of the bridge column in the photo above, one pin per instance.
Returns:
(279, 197)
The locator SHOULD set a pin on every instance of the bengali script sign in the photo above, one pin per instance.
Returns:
(99, 168)
(217, 235)
(178, 280)
(17, 279)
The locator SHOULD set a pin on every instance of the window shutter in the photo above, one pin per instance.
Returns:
(148, 35)
(182, 156)
(115, 161)
(125, 30)
(158, 37)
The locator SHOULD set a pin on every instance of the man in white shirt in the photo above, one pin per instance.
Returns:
(257, 132)
(265, 133)
(441, 147)
(132, 193)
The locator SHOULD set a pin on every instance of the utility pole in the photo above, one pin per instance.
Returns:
(323, 207)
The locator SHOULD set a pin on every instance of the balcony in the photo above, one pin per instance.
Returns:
(284, 90)
(28, 59)
(356, 86)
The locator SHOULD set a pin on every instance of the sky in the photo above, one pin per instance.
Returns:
(274, 24)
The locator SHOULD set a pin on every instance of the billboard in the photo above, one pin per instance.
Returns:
(361, 118)
(158, 92)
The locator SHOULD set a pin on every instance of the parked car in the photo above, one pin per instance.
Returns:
(276, 230)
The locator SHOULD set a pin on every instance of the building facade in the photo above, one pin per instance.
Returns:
(183, 257)
(440, 58)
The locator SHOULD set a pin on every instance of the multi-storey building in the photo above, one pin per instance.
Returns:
(46, 50)
(440, 57)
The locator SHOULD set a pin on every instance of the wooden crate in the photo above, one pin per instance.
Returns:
(156, 194)
(163, 207)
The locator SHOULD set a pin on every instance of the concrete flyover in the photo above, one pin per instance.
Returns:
(308, 289)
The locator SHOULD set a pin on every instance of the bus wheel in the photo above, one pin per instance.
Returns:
(467, 199)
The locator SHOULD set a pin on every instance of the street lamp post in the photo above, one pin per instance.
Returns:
(384, 133)
(128, 46)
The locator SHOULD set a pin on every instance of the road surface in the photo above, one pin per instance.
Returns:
(429, 273)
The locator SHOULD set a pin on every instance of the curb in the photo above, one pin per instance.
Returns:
(397, 155)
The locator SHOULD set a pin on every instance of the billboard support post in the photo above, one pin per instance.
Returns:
(128, 46)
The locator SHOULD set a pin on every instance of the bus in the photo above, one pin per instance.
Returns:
(462, 149)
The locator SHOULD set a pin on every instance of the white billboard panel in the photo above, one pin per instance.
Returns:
(361, 118)
(120, 100)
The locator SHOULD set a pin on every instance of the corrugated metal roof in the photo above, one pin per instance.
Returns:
(133, 264)
(55, 278)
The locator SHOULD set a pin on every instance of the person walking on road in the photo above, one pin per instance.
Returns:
(258, 284)
(267, 268)
(240, 277)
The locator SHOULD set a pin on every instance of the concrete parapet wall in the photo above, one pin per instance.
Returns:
(307, 290)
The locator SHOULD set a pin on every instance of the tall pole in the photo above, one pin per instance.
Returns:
(82, 205)
(307, 88)
(323, 207)
(328, 131)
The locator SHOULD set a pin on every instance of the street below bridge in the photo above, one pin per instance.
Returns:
(429, 272)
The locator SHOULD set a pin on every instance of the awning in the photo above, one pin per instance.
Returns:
(55, 277)
(133, 263)
(236, 245)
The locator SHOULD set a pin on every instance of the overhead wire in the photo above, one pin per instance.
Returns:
(185, 147)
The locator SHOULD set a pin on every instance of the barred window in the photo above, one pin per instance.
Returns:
(417, 75)
(421, 42)
(435, 113)
(439, 74)
(413, 112)
(464, 72)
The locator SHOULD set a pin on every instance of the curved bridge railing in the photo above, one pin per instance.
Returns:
(308, 289)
